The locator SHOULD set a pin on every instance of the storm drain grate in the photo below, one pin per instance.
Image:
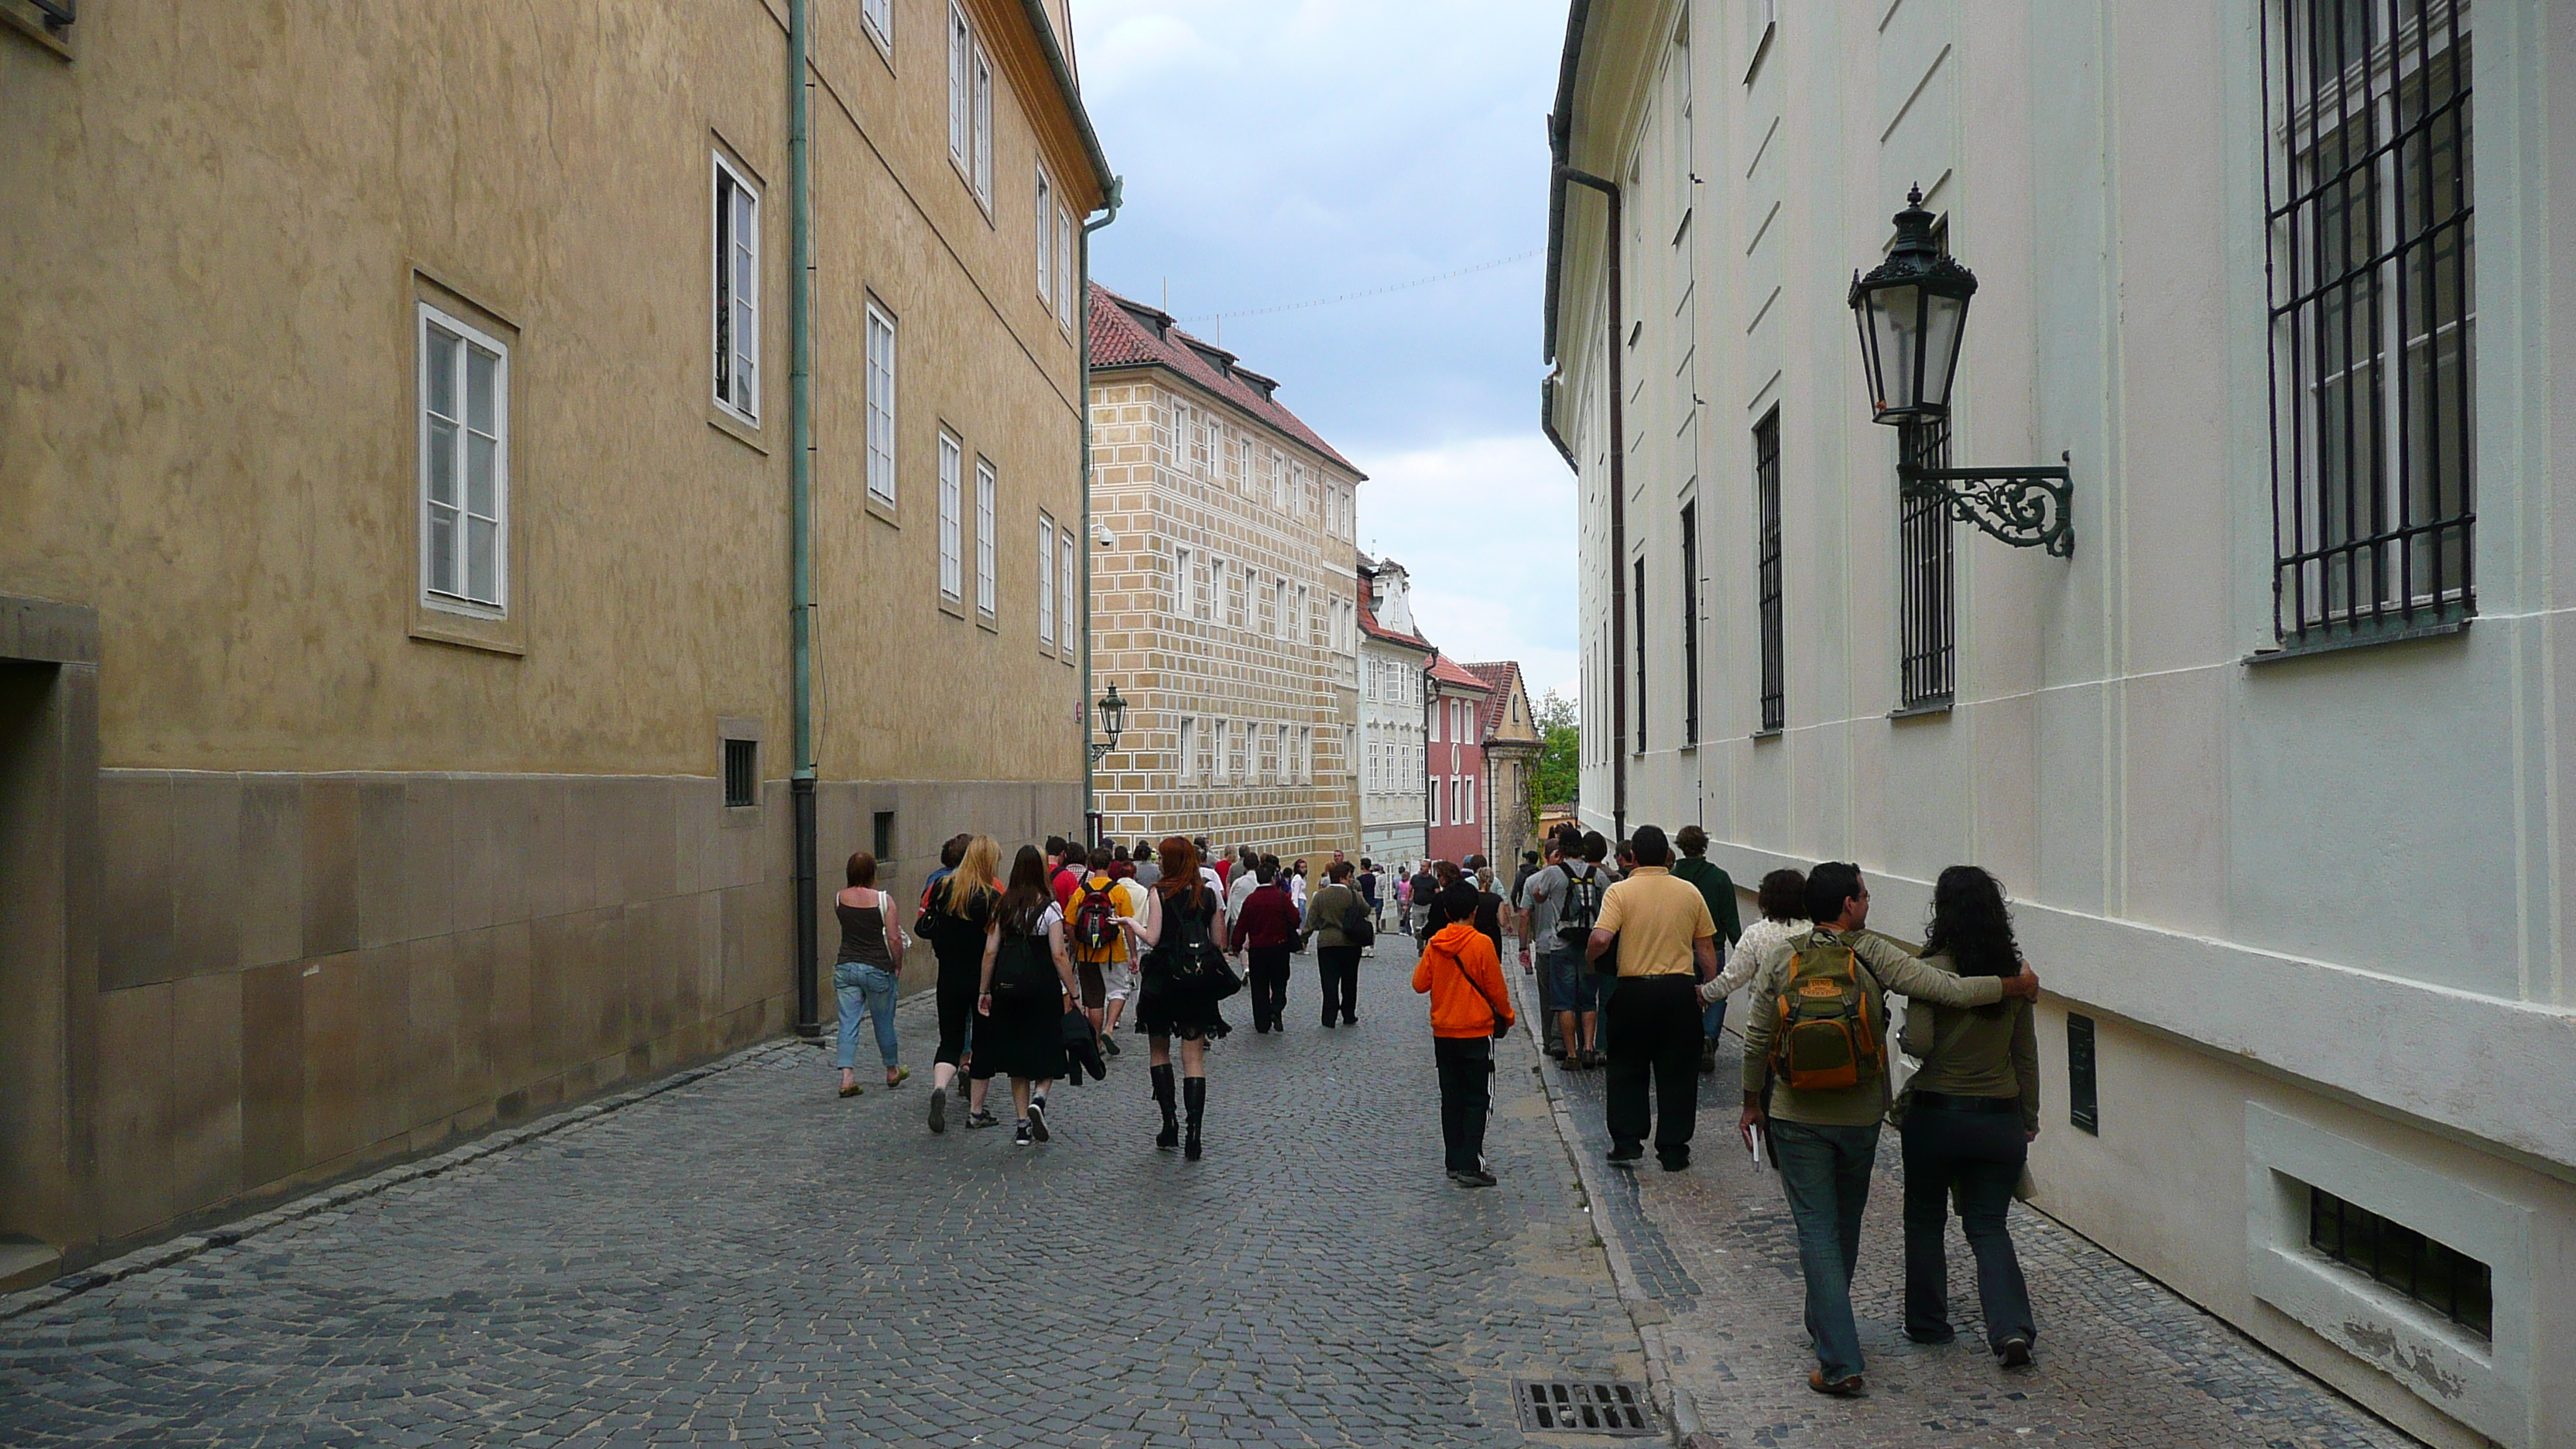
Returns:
(1583, 1406)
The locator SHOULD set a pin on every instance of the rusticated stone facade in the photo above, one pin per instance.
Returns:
(1224, 600)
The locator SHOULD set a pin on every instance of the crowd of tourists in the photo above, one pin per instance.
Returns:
(1628, 955)
(1635, 950)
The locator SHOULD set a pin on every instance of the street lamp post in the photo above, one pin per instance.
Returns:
(1113, 723)
(1912, 311)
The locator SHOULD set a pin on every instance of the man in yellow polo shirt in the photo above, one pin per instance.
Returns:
(1667, 946)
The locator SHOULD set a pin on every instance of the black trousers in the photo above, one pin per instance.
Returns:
(1653, 1026)
(1340, 968)
(1982, 1153)
(1466, 1095)
(1269, 983)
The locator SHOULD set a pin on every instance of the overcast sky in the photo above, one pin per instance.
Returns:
(1283, 151)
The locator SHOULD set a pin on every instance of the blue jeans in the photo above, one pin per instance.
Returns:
(1825, 1172)
(871, 987)
(1566, 983)
(1712, 1020)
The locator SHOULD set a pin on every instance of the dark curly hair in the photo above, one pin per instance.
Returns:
(1971, 925)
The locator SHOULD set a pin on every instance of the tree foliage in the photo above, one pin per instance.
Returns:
(1557, 776)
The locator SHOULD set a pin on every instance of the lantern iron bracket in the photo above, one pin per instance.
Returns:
(1100, 751)
(2024, 507)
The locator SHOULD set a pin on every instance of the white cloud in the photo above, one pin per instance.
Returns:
(1485, 529)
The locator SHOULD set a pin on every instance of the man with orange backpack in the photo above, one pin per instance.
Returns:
(1098, 913)
(1818, 1043)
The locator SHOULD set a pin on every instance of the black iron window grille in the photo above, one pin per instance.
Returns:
(2450, 1283)
(1690, 623)
(742, 772)
(2373, 340)
(2083, 1092)
(58, 14)
(1638, 648)
(1766, 570)
(1927, 663)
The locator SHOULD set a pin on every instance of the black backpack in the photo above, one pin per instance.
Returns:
(1192, 960)
(1574, 919)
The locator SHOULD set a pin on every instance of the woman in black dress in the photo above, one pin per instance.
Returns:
(1180, 919)
(956, 916)
(1027, 986)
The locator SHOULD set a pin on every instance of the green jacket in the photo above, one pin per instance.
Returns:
(1895, 969)
(1325, 911)
(1718, 889)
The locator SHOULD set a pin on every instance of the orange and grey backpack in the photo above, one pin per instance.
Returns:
(1828, 1037)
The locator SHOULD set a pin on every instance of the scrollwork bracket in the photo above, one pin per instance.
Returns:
(2024, 507)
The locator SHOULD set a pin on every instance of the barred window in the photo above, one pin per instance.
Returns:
(1690, 622)
(1766, 568)
(2367, 194)
(2449, 1282)
(1927, 651)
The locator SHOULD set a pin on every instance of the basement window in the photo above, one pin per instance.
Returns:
(742, 772)
(2452, 1284)
(2083, 1102)
(881, 838)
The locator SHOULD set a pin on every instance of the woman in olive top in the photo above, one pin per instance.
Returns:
(1972, 1112)
(1337, 956)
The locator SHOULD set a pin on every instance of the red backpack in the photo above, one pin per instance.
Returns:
(1095, 914)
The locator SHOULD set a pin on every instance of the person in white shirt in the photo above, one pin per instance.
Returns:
(1783, 901)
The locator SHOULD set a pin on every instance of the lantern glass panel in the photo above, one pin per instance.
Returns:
(1942, 319)
(1896, 316)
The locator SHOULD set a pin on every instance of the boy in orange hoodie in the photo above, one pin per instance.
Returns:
(1470, 1006)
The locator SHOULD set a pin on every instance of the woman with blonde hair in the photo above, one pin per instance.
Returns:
(1025, 986)
(958, 914)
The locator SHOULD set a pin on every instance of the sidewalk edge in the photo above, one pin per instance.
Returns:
(1644, 1313)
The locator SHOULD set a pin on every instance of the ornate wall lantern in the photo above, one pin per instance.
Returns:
(1912, 311)
(1113, 723)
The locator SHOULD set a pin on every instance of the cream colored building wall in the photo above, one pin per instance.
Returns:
(1230, 666)
(367, 875)
(2186, 832)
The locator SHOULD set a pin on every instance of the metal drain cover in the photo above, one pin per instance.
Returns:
(1583, 1406)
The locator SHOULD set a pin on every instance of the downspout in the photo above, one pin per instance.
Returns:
(800, 472)
(1082, 345)
(1618, 514)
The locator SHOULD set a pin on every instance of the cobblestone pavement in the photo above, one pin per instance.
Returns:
(2121, 1361)
(750, 1258)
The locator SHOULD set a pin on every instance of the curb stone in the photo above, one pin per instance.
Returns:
(331, 1199)
(1647, 1315)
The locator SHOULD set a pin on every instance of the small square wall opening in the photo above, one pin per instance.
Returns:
(881, 842)
(2083, 1102)
(742, 772)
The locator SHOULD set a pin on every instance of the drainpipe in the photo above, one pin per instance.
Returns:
(1082, 344)
(800, 472)
(1618, 515)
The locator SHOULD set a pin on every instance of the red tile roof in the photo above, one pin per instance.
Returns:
(1131, 334)
(1501, 676)
(1446, 670)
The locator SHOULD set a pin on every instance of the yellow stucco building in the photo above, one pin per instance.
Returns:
(396, 567)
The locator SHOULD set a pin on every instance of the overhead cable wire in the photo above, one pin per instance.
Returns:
(1355, 296)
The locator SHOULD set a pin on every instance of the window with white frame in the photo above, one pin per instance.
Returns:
(1068, 585)
(1046, 238)
(986, 587)
(961, 88)
(1436, 712)
(952, 517)
(1467, 792)
(1068, 257)
(1046, 580)
(464, 465)
(1303, 634)
(737, 292)
(983, 127)
(1183, 562)
(879, 14)
(1187, 765)
(1306, 754)
(880, 403)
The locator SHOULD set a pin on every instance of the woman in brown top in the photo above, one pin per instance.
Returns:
(865, 976)
(1971, 1113)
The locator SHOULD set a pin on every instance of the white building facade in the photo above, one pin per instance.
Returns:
(2270, 765)
(1395, 813)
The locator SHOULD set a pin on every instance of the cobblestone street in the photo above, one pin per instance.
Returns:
(748, 1258)
(2122, 1363)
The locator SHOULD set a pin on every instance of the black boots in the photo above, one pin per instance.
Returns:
(1194, 1091)
(1170, 1136)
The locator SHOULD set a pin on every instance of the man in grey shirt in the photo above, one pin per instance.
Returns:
(1566, 987)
